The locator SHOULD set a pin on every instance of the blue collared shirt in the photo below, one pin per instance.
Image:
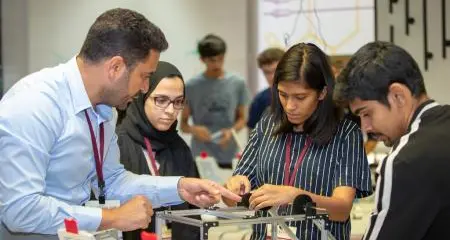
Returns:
(47, 167)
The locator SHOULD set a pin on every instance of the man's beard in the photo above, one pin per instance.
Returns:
(112, 95)
(123, 106)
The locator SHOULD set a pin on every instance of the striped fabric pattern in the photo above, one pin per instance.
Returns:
(341, 162)
(383, 195)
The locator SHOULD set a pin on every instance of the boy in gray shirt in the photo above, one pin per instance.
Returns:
(216, 100)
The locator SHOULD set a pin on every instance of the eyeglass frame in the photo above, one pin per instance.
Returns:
(170, 101)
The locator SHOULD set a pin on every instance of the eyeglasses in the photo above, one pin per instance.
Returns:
(163, 102)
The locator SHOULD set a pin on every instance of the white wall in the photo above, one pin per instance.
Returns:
(14, 41)
(57, 28)
(44, 33)
(437, 77)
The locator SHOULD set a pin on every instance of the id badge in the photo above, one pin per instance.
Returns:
(109, 204)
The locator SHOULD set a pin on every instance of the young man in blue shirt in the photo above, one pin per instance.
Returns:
(267, 62)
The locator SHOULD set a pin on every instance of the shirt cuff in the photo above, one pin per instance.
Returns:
(168, 191)
(88, 218)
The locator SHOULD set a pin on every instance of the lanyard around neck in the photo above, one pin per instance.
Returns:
(98, 155)
(290, 178)
(148, 145)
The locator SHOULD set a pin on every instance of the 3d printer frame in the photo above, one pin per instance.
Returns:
(230, 216)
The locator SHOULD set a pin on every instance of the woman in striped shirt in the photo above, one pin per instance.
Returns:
(304, 146)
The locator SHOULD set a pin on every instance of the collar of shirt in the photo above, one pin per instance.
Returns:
(80, 99)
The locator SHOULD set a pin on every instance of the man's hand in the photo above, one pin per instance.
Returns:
(226, 137)
(273, 195)
(201, 133)
(202, 192)
(238, 185)
(135, 214)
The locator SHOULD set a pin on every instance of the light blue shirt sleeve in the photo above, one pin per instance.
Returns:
(123, 185)
(27, 134)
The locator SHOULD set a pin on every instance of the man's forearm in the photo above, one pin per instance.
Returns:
(45, 215)
(108, 219)
(186, 128)
(239, 124)
(161, 191)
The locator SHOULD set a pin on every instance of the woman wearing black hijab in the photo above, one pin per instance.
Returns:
(149, 142)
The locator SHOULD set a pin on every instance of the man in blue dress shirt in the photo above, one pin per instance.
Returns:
(57, 140)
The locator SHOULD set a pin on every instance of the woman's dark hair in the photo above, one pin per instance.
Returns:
(305, 62)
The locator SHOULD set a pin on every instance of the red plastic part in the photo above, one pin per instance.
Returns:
(203, 154)
(148, 236)
(71, 225)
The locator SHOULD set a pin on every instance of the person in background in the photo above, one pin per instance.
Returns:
(267, 62)
(149, 142)
(216, 101)
(383, 84)
(304, 146)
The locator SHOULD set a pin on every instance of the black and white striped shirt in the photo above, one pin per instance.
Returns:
(341, 162)
(413, 192)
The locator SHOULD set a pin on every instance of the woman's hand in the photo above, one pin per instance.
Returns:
(273, 195)
(239, 185)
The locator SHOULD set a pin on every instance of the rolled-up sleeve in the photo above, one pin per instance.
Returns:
(123, 185)
(27, 134)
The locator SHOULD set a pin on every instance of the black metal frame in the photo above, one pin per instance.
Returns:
(426, 53)
(375, 13)
(408, 19)
(445, 40)
(391, 5)
(391, 33)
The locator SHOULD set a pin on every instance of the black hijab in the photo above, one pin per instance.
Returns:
(171, 152)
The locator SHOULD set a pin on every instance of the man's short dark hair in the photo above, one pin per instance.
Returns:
(306, 62)
(269, 56)
(373, 68)
(211, 46)
(125, 33)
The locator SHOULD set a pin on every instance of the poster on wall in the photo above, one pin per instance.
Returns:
(337, 27)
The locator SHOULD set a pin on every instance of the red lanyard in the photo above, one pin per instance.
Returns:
(148, 145)
(98, 157)
(289, 180)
